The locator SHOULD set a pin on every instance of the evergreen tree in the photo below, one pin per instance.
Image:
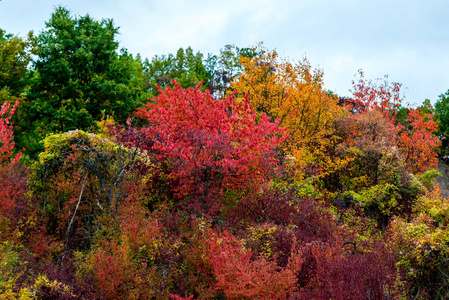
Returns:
(78, 76)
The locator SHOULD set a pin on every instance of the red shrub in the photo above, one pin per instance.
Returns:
(240, 277)
(339, 274)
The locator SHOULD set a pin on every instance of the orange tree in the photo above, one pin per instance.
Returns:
(294, 94)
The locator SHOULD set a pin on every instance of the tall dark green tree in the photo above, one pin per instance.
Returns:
(442, 119)
(78, 76)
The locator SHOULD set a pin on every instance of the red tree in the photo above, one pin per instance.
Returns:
(6, 133)
(418, 141)
(212, 145)
(384, 96)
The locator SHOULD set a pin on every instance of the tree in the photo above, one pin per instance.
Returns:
(375, 180)
(78, 178)
(442, 118)
(224, 68)
(78, 76)
(14, 57)
(416, 132)
(383, 96)
(384, 144)
(368, 139)
(185, 67)
(6, 132)
(294, 94)
(417, 141)
(212, 145)
(188, 69)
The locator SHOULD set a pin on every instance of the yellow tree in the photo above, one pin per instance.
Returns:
(294, 94)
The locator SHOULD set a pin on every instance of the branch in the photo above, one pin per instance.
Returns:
(350, 242)
(77, 205)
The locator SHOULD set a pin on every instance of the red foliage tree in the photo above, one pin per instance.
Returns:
(212, 145)
(368, 95)
(6, 133)
(418, 141)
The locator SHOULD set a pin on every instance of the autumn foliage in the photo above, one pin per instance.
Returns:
(416, 134)
(292, 93)
(240, 277)
(212, 145)
(6, 132)
(13, 177)
(417, 141)
(268, 186)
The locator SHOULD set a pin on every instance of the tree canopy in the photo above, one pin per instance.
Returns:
(14, 57)
(78, 77)
(442, 117)
(292, 93)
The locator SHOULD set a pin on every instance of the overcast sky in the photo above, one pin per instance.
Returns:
(406, 39)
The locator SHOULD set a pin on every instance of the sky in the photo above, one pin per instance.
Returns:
(408, 40)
